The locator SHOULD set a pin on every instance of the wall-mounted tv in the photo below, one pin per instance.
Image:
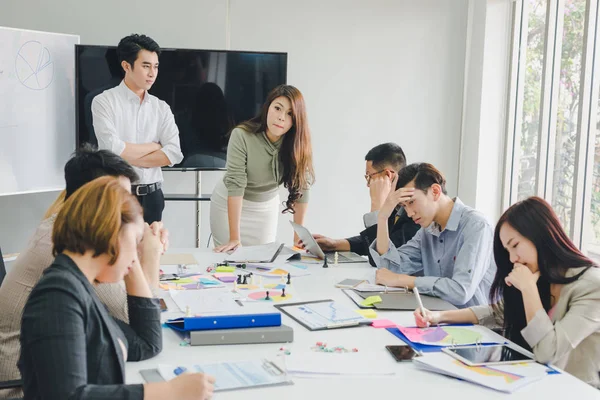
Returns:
(209, 92)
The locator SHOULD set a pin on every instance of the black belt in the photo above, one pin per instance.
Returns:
(142, 190)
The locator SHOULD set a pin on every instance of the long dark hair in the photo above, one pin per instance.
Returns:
(296, 149)
(535, 220)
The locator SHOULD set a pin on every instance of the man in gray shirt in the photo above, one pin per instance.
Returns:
(453, 249)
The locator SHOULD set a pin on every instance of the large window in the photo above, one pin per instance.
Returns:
(555, 133)
(530, 125)
(567, 110)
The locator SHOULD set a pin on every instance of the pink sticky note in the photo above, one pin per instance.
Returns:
(384, 323)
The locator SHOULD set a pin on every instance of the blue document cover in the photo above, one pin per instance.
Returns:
(187, 324)
(426, 348)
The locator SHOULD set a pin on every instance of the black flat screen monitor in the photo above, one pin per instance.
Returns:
(209, 92)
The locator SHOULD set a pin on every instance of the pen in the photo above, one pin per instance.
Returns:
(416, 292)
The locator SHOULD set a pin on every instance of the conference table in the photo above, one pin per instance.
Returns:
(319, 285)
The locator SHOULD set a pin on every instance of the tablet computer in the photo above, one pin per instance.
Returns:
(488, 354)
(313, 248)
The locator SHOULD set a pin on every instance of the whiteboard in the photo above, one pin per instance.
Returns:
(37, 109)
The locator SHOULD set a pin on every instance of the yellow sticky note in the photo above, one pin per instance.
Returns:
(182, 281)
(225, 268)
(369, 301)
(368, 313)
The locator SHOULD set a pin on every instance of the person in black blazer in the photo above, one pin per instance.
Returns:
(71, 348)
(401, 227)
(382, 163)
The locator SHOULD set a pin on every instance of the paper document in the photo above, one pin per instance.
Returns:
(191, 282)
(450, 335)
(276, 270)
(356, 298)
(233, 375)
(328, 364)
(202, 302)
(257, 254)
(505, 378)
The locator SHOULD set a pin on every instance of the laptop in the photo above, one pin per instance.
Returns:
(314, 249)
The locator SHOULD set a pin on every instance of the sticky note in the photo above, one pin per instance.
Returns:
(384, 323)
(225, 268)
(208, 281)
(225, 276)
(368, 313)
(369, 301)
(183, 280)
(170, 286)
(298, 265)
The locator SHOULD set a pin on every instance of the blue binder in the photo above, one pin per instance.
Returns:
(201, 323)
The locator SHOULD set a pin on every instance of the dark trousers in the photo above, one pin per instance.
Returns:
(153, 205)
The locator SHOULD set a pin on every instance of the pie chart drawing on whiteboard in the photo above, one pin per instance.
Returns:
(34, 66)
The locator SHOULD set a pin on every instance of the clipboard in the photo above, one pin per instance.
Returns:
(322, 315)
(236, 375)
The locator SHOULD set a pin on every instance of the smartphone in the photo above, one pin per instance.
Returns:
(402, 353)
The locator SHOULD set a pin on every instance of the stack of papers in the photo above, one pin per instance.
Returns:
(505, 378)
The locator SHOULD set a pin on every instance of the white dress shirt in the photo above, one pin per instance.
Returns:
(118, 117)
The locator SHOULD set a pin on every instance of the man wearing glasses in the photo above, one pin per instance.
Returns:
(382, 163)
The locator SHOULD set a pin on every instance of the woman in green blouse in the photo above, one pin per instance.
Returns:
(271, 149)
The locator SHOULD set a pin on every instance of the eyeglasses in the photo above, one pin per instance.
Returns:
(369, 176)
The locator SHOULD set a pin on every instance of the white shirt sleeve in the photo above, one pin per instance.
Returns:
(168, 135)
(104, 126)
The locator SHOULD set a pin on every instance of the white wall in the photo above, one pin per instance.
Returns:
(371, 72)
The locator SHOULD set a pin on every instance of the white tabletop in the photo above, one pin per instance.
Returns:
(318, 286)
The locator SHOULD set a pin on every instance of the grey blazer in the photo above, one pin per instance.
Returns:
(71, 348)
(571, 338)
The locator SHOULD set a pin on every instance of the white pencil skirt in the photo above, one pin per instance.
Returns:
(257, 226)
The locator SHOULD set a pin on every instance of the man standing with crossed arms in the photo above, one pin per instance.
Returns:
(137, 125)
